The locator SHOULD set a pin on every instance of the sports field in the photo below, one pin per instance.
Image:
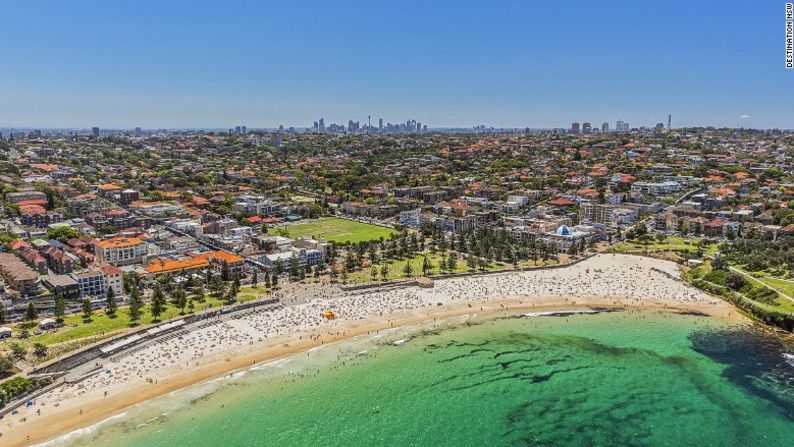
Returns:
(338, 230)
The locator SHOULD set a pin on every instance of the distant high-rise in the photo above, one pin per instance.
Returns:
(669, 120)
(605, 127)
(238, 130)
(321, 128)
(575, 128)
(380, 124)
(245, 129)
(138, 132)
(586, 127)
(418, 126)
(622, 126)
(95, 131)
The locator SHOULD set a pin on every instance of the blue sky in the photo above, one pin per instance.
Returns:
(79, 63)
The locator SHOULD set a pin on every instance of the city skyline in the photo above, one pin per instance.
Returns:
(201, 65)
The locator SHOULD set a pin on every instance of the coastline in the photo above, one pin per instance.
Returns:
(53, 427)
(96, 407)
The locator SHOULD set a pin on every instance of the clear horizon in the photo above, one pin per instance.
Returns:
(185, 65)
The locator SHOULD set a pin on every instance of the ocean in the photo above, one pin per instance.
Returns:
(626, 378)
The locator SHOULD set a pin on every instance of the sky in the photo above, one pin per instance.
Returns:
(217, 64)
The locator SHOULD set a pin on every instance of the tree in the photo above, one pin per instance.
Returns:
(31, 313)
(426, 266)
(17, 351)
(63, 234)
(111, 303)
(87, 311)
(225, 271)
(217, 286)
(60, 308)
(719, 263)
(158, 302)
(373, 272)
(408, 270)
(135, 305)
(452, 262)
(274, 281)
(2, 314)
(39, 350)
(255, 278)
(384, 272)
(181, 300)
(734, 281)
(231, 294)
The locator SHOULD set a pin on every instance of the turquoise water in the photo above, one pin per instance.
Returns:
(628, 379)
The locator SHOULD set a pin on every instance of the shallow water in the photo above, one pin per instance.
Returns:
(622, 378)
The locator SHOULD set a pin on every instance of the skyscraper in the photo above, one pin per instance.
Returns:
(605, 127)
(238, 129)
(95, 131)
(380, 124)
(575, 128)
(586, 127)
(245, 129)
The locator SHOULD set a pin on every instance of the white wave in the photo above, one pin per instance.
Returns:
(80, 432)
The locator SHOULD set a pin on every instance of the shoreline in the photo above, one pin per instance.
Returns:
(50, 429)
(76, 412)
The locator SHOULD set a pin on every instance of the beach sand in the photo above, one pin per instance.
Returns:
(188, 358)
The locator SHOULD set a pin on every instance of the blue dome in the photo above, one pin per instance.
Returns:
(563, 230)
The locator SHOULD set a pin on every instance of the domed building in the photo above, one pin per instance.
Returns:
(564, 236)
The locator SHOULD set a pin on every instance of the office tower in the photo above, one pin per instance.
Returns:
(380, 124)
(418, 126)
(281, 128)
(586, 127)
(575, 128)
(316, 126)
(669, 119)
(237, 129)
(245, 129)
(321, 129)
(95, 131)
(659, 127)
(605, 127)
(277, 139)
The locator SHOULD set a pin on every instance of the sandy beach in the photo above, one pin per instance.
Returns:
(216, 348)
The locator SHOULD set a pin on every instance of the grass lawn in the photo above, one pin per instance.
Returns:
(396, 268)
(787, 287)
(671, 243)
(101, 325)
(780, 303)
(337, 230)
